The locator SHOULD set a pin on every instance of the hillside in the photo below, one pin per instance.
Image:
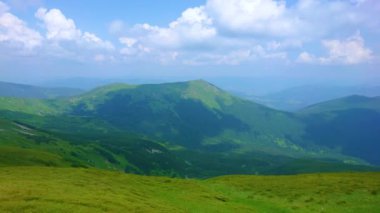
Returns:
(197, 115)
(38, 189)
(350, 124)
(186, 129)
(192, 114)
(25, 145)
(86, 143)
(27, 91)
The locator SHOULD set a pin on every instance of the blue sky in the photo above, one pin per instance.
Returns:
(335, 41)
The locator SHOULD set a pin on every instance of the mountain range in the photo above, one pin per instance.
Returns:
(297, 98)
(27, 91)
(188, 129)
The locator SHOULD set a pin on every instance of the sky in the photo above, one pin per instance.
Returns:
(305, 41)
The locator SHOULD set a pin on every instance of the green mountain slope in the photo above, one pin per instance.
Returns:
(27, 91)
(23, 145)
(350, 124)
(37, 189)
(191, 129)
(192, 114)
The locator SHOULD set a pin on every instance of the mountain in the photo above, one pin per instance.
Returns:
(350, 124)
(199, 116)
(297, 98)
(191, 129)
(195, 115)
(27, 91)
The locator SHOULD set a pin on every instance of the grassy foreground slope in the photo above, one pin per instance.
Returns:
(43, 189)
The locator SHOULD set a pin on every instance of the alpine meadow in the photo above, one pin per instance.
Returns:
(190, 106)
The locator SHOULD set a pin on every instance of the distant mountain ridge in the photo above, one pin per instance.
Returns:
(27, 91)
(353, 101)
(297, 98)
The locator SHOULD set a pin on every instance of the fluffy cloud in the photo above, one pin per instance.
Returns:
(218, 32)
(15, 32)
(129, 42)
(351, 50)
(93, 40)
(239, 30)
(304, 19)
(194, 25)
(59, 28)
(306, 57)
(57, 25)
(254, 16)
(191, 28)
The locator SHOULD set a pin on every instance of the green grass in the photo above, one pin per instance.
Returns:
(44, 189)
(20, 156)
(32, 106)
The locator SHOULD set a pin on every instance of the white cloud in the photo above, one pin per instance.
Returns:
(266, 17)
(60, 28)
(218, 32)
(234, 56)
(15, 32)
(306, 57)
(129, 42)
(224, 29)
(192, 27)
(92, 39)
(349, 51)
(230, 58)
(57, 25)
(132, 47)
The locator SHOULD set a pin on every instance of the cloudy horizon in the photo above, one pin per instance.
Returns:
(308, 39)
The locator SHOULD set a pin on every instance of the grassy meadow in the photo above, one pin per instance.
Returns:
(47, 189)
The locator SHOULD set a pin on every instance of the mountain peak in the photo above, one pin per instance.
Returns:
(202, 83)
(207, 93)
(199, 81)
